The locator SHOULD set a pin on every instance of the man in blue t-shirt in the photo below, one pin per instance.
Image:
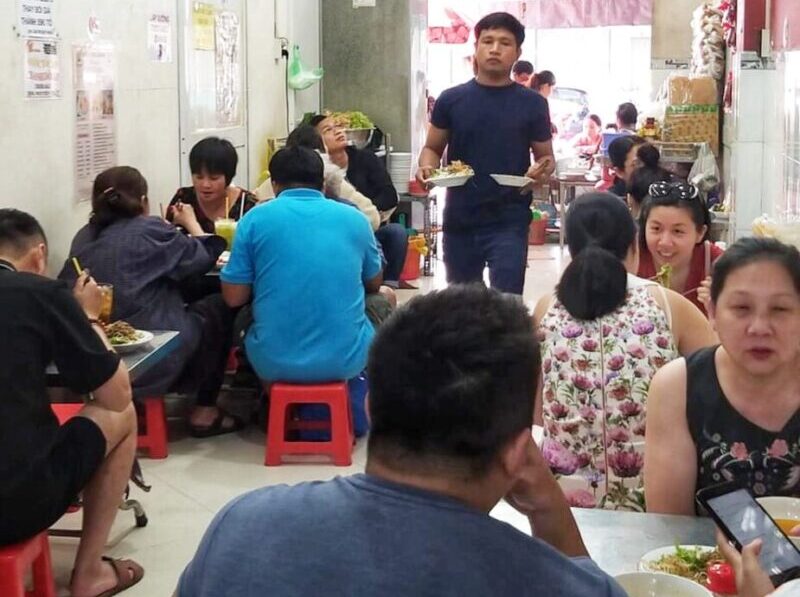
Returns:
(452, 375)
(305, 262)
(490, 124)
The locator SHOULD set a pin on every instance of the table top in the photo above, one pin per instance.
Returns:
(138, 362)
(618, 540)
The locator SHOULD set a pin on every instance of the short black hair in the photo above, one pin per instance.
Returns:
(306, 135)
(600, 232)
(297, 167)
(452, 378)
(752, 250)
(627, 114)
(316, 119)
(501, 20)
(522, 67)
(19, 231)
(215, 156)
(620, 147)
(546, 77)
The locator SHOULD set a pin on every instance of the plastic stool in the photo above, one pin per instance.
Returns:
(154, 440)
(15, 560)
(335, 395)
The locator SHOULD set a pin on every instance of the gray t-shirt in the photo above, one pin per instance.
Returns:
(361, 535)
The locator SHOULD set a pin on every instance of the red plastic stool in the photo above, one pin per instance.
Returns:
(154, 440)
(284, 396)
(15, 560)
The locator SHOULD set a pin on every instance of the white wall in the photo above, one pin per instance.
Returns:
(36, 144)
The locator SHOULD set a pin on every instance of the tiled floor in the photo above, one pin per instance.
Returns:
(200, 476)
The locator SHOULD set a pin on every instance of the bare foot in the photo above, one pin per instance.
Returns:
(203, 416)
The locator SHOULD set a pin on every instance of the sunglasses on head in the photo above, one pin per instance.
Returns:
(681, 190)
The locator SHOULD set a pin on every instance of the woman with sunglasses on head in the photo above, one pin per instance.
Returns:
(674, 225)
(603, 336)
(732, 412)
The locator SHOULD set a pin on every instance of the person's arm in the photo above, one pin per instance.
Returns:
(382, 193)
(183, 215)
(537, 495)
(371, 265)
(670, 458)
(430, 158)
(751, 579)
(544, 161)
(538, 314)
(362, 202)
(690, 328)
(236, 295)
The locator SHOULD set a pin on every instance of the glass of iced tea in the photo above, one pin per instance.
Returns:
(107, 292)
(226, 228)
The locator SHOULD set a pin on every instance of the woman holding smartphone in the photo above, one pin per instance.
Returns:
(732, 412)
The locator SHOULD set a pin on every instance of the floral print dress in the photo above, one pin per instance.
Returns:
(596, 375)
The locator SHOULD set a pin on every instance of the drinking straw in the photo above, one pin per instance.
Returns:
(77, 266)
(163, 213)
(227, 205)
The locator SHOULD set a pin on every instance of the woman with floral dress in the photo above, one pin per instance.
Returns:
(732, 412)
(603, 337)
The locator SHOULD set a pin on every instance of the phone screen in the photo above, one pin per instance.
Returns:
(747, 521)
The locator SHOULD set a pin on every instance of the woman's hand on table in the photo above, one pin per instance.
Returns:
(88, 295)
(751, 580)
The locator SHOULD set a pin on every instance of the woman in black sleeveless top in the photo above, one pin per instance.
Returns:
(733, 412)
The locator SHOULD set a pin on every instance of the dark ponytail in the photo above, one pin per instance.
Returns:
(117, 195)
(600, 233)
(649, 172)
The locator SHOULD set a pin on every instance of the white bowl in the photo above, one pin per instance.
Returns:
(782, 507)
(656, 584)
(508, 180)
(450, 181)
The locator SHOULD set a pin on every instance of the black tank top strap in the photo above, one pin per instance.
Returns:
(703, 392)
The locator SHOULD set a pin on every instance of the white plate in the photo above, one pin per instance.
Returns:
(449, 181)
(652, 556)
(144, 338)
(650, 584)
(508, 180)
(223, 259)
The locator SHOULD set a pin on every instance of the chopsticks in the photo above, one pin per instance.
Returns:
(77, 266)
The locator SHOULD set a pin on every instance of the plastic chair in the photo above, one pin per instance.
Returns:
(284, 396)
(16, 560)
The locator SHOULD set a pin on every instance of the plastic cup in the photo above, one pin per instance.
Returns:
(226, 228)
(107, 292)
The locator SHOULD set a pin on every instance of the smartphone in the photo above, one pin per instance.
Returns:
(742, 520)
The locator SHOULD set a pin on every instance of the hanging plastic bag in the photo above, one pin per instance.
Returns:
(298, 76)
(704, 173)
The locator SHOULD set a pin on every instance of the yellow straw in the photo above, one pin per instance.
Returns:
(77, 266)
(227, 204)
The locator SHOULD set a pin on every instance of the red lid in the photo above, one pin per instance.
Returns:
(721, 579)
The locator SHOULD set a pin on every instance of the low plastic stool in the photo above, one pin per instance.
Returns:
(16, 560)
(284, 396)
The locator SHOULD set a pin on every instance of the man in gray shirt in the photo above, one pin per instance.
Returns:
(452, 377)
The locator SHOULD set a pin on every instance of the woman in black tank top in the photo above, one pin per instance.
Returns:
(733, 412)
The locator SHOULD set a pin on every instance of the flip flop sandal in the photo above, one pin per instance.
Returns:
(217, 428)
(128, 574)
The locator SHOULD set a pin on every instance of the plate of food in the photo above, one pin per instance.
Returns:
(509, 180)
(455, 174)
(125, 338)
(686, 561)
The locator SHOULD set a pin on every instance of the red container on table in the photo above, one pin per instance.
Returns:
(721, 580)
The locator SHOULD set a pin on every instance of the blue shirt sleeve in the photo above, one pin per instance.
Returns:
(440, 117)
(540, 129)
(612, 588)
(240, 268)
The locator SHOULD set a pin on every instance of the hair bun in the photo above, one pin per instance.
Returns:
(649, 155)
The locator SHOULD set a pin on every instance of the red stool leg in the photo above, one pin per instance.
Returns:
(341, 429)
(155, 440)
(43, 583)
(276, 427)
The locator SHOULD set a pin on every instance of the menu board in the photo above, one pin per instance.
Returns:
(95, 130)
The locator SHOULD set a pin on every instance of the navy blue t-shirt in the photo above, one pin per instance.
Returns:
(490, 129)
(362, 535)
